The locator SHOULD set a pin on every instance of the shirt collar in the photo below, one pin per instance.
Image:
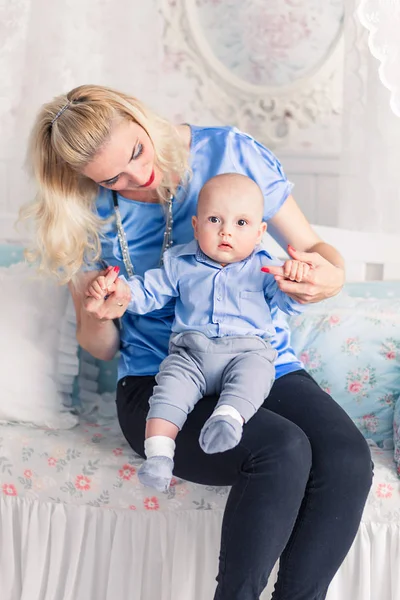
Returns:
(193, 249)
(189, 249)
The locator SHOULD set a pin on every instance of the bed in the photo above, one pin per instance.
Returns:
(75, 524)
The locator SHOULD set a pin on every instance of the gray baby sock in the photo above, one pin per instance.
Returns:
(222, 431)
(156, 471)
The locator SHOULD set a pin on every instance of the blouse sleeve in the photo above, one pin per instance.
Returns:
(257, 162)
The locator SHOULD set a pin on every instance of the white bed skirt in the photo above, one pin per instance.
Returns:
(58, 552)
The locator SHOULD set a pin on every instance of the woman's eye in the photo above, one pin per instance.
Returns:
(112, 181)
(138, 151)
(213, 219)
(242, 222)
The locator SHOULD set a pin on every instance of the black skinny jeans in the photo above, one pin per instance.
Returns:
(300, 477)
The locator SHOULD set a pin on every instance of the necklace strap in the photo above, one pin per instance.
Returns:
(169, 221)
(167, 240)
(123, 244)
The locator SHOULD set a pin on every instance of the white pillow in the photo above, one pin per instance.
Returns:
(35, 373)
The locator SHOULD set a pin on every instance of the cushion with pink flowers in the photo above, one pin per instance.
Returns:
(396, 435)
(351, 346)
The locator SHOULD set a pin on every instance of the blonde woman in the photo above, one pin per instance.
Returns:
(116, 186)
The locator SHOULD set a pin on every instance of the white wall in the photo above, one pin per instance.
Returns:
(316, 187)
(93, 46)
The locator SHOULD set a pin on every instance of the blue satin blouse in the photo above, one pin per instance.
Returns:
(213, 150)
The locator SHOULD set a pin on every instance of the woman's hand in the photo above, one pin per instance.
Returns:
(322, 280)
(107, 297)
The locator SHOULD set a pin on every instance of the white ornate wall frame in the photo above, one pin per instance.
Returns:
(270, 111)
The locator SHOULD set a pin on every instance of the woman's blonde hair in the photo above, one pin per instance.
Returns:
(62, 143)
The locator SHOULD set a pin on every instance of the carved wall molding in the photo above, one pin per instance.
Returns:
(272, 112)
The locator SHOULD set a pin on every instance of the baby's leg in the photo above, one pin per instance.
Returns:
(179, 386)
(159, 447)
(246, 382)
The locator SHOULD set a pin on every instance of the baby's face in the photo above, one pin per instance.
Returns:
(229, 223)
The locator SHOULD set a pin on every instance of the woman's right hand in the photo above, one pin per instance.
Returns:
(107, 296)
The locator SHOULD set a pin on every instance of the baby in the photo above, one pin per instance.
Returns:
(220, 342)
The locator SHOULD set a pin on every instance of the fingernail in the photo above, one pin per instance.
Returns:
(291, 247)
(116, 269)
(265, 269)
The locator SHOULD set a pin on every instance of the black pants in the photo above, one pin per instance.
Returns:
(300, 478)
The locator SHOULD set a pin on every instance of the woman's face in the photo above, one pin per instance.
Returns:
(126, 161)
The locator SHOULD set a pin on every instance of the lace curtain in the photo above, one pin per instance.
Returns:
(369, 198)
(382, 19)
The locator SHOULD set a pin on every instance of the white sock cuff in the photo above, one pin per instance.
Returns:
(159, 445)
(227, 410)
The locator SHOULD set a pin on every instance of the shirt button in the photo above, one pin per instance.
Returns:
(219, 298)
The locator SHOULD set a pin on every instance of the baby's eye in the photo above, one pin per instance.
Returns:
(213, 219)
(242, 222)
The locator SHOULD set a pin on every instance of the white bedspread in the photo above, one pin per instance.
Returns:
(75, 524)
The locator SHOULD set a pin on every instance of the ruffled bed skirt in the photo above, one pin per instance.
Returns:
(54, 551)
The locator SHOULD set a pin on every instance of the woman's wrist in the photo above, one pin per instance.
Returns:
(340, 276)
(342, 272)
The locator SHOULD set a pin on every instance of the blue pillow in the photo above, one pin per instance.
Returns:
(351, 346)
(373, 289)
(396, 435)
(10, 254)
(108, 375)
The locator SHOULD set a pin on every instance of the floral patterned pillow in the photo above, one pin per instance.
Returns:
(351, 346)
(396, 435)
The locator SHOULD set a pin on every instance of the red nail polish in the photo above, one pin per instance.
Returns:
(116, 269)
(265, 270)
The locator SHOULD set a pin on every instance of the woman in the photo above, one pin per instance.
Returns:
(117, 185)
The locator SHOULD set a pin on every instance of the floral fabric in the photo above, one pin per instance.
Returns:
(351, 346)
(93, 465)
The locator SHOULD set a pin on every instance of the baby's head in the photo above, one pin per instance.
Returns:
(229, 224)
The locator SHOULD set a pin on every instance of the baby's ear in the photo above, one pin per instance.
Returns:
(194, 223)
(261, 231)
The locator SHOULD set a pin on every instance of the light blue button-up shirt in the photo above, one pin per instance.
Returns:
(214, 300)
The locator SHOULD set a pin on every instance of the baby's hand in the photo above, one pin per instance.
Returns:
(295, 270)
(103, 285)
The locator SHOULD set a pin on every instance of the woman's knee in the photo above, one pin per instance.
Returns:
(295, 450)
(348, 461)
(286, 447)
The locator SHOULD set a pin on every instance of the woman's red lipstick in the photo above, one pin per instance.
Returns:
(150, 181)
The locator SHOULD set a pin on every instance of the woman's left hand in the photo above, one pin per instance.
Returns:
(323, 279)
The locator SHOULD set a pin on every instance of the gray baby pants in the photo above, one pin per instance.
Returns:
(240, 369)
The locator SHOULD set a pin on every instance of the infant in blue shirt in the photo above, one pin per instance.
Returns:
(220, 342)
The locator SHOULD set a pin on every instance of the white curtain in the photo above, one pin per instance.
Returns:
(369, 197)
(382, 20)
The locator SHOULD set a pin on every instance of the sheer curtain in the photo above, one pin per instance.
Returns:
(369, 198)
(382, 19)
